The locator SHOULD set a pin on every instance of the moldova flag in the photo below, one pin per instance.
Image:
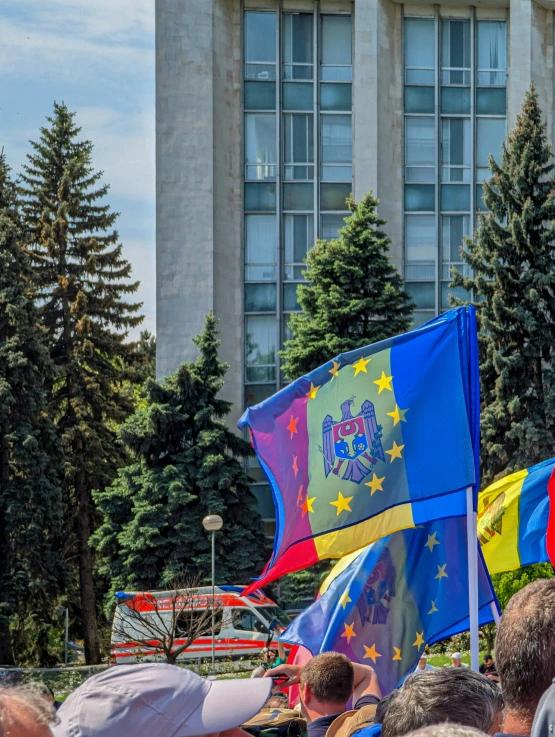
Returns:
(379, 439)
(513, 517)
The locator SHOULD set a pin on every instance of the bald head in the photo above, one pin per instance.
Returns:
(24, 713)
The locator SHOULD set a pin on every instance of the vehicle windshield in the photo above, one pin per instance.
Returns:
(274, 612)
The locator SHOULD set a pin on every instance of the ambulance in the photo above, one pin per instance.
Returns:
(242, 624)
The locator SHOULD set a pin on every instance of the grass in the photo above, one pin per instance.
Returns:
(439, 660)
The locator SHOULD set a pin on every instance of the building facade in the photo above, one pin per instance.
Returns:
(269, 113)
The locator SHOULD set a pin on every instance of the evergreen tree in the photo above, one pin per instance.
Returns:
(81, 281)
(186, 463)
(30, 499)
(354, 295)
(511, 256)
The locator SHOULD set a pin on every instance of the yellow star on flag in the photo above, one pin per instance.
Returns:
(397, 414)
(395, 451)
(441, 571)
(419, 639)
(334, 371)
(349, 631)
(307, 505)
(313, 391)
(361, 364)
(375, 485)
(397, 655)
(432, 542)
(384, 382)
(345, 598)
(371, 652)
(342, 503)
(434, 608)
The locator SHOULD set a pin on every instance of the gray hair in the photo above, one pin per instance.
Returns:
(446, 730)
(442, 695)
(30, 701)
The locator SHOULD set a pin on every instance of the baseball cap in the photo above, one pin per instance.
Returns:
(456, 656)
(423, 657)
(158, 700)
(544, 719)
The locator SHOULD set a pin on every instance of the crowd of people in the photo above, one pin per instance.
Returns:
(512, 697)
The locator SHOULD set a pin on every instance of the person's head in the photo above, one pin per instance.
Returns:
(157, 699)
(488, 660)
(525, 648)
(383, 706)
(326, 685)
(423, 661)
(446, 730)
(24, 712)
(269, 656)
(456, 659)
(443, 695)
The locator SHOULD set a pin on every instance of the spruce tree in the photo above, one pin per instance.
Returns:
(81, 281)
(186, 464)
(511, 257)
(354, 295)
(31, 572)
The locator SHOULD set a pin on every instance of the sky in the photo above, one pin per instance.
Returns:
(96, 56)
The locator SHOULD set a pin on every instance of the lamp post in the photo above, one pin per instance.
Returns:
(212, 523)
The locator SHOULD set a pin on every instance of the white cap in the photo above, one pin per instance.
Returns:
(158, 700)
(456, 656)
(423, 656)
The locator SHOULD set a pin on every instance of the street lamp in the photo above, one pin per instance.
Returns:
(212, 523)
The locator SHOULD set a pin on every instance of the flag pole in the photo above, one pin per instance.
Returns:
(495, 613)
(472, 546)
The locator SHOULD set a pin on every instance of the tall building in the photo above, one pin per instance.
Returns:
(270, 112)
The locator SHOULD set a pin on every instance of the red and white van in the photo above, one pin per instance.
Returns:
(242, 626)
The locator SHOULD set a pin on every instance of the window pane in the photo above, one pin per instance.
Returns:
(419, 99)
(447, 291)
(480, 204)
(455, 150)
(336, 173)
(334, 196)
(492, 52)
(491, 101)
(267, 510)
(490, 132)
(420, 149)
(421, 244)
(254, 394)
(260, 196)
(337, 139)
(297, 38)
(298, 196)
(420, 318)
(453, 230)
(260, 247)
(298, 234)
(330, 225)
(419, 197)
(298, 138)
(455, 197)
(419, 51)
(336, 74)
(335, 97)
(336, 39)
(260, 145)
(455, 51)
(260, 297)
(423, 294)
(260, 95)
(455, 100)
(297, 96)
(290, 303)
(260, 347)
(260, 37)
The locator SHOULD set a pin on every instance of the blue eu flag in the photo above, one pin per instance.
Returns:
(383, 604)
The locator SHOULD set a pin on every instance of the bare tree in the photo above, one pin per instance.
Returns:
(167, 623)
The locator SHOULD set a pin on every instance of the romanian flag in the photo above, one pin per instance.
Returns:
(379, 439)
(382, 605)
(513, 516)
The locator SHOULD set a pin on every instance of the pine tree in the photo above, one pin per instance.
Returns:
(31, 509)
(186, 463)
(81, 282)
(354, 295)
(511, 256)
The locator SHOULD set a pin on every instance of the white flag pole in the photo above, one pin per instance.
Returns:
(494, 611)
(472, 546)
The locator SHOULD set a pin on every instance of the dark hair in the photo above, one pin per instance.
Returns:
(383, 706)
(525, 646)
(330, 677)
(447, 730)
(442, 695)
(488, 656)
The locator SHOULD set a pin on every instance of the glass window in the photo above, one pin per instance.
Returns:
(337, 147)
(334, 196)
(492, 53)
(330, 225)
(480, 204)
(455, 197)
(419, 51)
(298, 236)
(246, 621)
(260, 95)
(419, 197)
(336, 54)
(335, 96)
(419, 99)
(453, 229)
(420, 318)
(420, 149)
(491, 101)
(260, 196)
(421, 242)
(298, 196)
(455, 150)
(423, 294)
(254, 394)
(260, 297)
(260, 45)
(455, 100)
(260, 145)
(266, 509)
(260, 247)
(490, 132)
(455, 52)
(297, 45)
(290, 298)
(298, 144)
(298, 96)
(260, 347)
